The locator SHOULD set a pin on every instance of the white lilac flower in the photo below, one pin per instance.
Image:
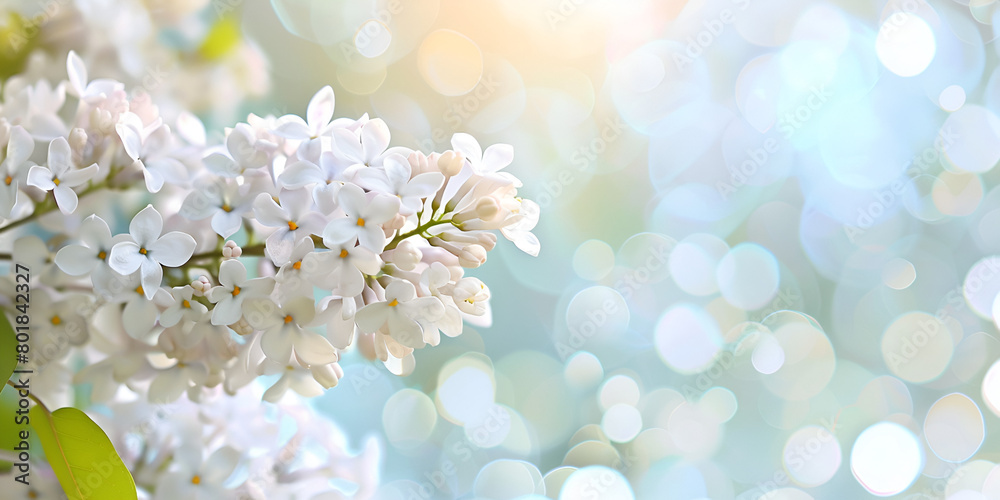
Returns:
(233, 289)
(183, 307)
(399, 313)
(307, 382)
(150, 147)
(286, 330)
(88, 91)
(293, 220)
(337, 314)
(295, 277)
(194, 477)
(318, 118)
(140, 312)
(364, 213)
(169, 384)
(368, 146)
(149, 250)
(395, 178)
(14, 168)
(59, 176)
(246, 152)
(224, 201)
(327, 177)
(495, 158)
(342, 269)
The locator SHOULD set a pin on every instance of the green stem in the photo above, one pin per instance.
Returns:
(49, 205)
(418, 230)
(30, 396)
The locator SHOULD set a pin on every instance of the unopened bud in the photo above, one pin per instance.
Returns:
(78, 139)
(450, 163)
(472, 256)
(231, 250)
(201, 285)
(406, 255)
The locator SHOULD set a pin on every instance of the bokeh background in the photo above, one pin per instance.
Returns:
(767, 241)
(769, 235)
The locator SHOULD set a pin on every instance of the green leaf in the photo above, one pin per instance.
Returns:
(8, 348)
(9, 437)
(81, 455)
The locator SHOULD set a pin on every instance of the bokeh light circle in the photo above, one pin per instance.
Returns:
(886, 458)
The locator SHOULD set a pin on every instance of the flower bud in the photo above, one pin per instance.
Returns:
(406, 255)
(472, 256)
(487, 208)
(325, 375)
(450, 163)
(201, 285)
(231, 250)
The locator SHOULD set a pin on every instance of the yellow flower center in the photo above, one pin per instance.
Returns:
(227, 208)
(288, 318)
(361, 222)
(186, 304)
(56, 320)
(292, 226)
(196, 479)
(297, 265)
(143, 251)
(236, 291)
(139, 290)
(55, 180)
(394, 303)
(470, 300)
(343, 254)
(103, 255)
(8, 180)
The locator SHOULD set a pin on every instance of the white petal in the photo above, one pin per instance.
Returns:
(19, 146)
(220, 465)
(496, 157)
(371, 317)
(77, 72)
(125, 258)
(227, 311)
(314, 349)
(220, 164)
(352, 199)
(154, 180)
(268, 212)
(151, 274)
(300, 174)
(232, 272)
(348, 145)
(41, 178)
(226, 223)
(60, 156)
(131, 140)
(276, 346)
(374, 139)
(95, 233)
(76, 260)
(320, 109)
(139, 317)
(468, 146)
(77, 177)
(380, 209)
(400, 290)
(146, 226)
(274, 393)
(173, 249)
(292, 127)
(339, 231)
(66, 199)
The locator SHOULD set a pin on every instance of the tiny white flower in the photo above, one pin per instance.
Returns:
(150, 146)
(59, 176)
(233, 289)
(293, 220)
(285, 330)
(394, 179)
(14, 168)
(225, 202)
(342, 269)
(183, 307)
(364, 213)
(318, 118)
(400, 313)
(195, 478)
(92, 256)
(495, 158)
(149, 250)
